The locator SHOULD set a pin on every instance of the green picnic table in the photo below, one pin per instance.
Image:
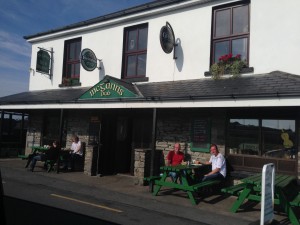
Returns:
(286, 193)
(188, 181)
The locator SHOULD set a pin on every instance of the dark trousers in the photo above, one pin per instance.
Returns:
(70, 162)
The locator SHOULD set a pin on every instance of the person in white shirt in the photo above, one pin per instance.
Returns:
(218, 163)
(76, 153)
(76, 146)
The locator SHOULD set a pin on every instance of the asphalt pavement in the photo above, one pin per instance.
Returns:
(76, 198)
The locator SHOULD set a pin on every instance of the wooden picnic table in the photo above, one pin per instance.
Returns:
(188, 181)
(286, 193)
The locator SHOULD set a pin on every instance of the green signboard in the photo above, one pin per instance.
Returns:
(43, 62)
(107, 89)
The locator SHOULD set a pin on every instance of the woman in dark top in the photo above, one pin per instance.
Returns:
(51, 154)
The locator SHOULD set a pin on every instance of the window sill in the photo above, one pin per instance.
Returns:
(69, 85)
(244, 70)
(136, 79)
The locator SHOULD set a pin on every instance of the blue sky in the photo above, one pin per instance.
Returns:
(20, 18)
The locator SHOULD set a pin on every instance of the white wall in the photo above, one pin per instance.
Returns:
(275, 36)
(273, 43)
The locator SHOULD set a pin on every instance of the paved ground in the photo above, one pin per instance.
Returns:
(212, 209)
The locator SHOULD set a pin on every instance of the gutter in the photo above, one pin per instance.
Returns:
(162, 99)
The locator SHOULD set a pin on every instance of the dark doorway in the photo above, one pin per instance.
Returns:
(115, 144)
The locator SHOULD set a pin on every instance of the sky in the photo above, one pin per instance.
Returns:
(19, 18)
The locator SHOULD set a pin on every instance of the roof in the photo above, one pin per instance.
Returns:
(122, 13)
(271, 85)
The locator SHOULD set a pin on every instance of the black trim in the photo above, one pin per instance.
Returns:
(137, 79)
(74, 85)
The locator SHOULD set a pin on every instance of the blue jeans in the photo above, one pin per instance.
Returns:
(174, 177)
(217, 176)
(35, 159)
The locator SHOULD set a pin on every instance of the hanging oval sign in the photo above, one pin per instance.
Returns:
(88, 59)
(167, 38)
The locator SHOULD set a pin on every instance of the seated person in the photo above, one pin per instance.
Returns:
(76, 153)
(218, 163)
(51, 154)
(175, 157)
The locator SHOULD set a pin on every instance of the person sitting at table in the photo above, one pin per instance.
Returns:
(218, 163)
(35, 153)
(175, 157)
(51, 154)
(75, 154)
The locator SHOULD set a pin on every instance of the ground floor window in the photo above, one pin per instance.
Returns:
(262, 137)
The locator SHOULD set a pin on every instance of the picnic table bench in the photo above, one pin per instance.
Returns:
(185, 174)
(286, 193)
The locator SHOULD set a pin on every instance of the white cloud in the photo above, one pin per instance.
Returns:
(13, 43)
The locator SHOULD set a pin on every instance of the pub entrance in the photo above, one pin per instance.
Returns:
(114, 146)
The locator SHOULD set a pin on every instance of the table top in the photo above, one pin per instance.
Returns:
(39, 148)
(179, 168)
(280, 179)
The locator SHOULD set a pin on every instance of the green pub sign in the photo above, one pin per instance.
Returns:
(43, 62)
(107, 89)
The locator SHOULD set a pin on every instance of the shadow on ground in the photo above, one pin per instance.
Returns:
(21, 212)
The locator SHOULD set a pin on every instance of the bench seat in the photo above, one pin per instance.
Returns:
(234, 190)
(151, 178)
(197, 187)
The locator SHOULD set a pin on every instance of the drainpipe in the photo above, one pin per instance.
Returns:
(1, 128)
(61, 127)
(153, 148)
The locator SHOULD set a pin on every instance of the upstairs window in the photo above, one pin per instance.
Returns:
(71, 70)
(231, 31)
(135, 51)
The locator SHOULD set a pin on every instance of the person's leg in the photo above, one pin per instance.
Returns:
(34, 160)
(72, 161)
(213, 176)
(173, 176)
(30, 156)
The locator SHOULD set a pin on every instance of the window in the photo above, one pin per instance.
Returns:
(135, 51)
(231, 31)
(71, 70)
(262, 137)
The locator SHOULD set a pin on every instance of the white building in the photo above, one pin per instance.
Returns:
(253, 117)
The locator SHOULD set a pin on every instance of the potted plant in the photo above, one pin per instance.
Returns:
(227, 64)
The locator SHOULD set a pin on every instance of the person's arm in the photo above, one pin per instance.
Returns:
(169, 158)
(77, 147)
(213, 171)
(217, 169)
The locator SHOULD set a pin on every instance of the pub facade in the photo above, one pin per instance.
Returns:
(132, 83)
